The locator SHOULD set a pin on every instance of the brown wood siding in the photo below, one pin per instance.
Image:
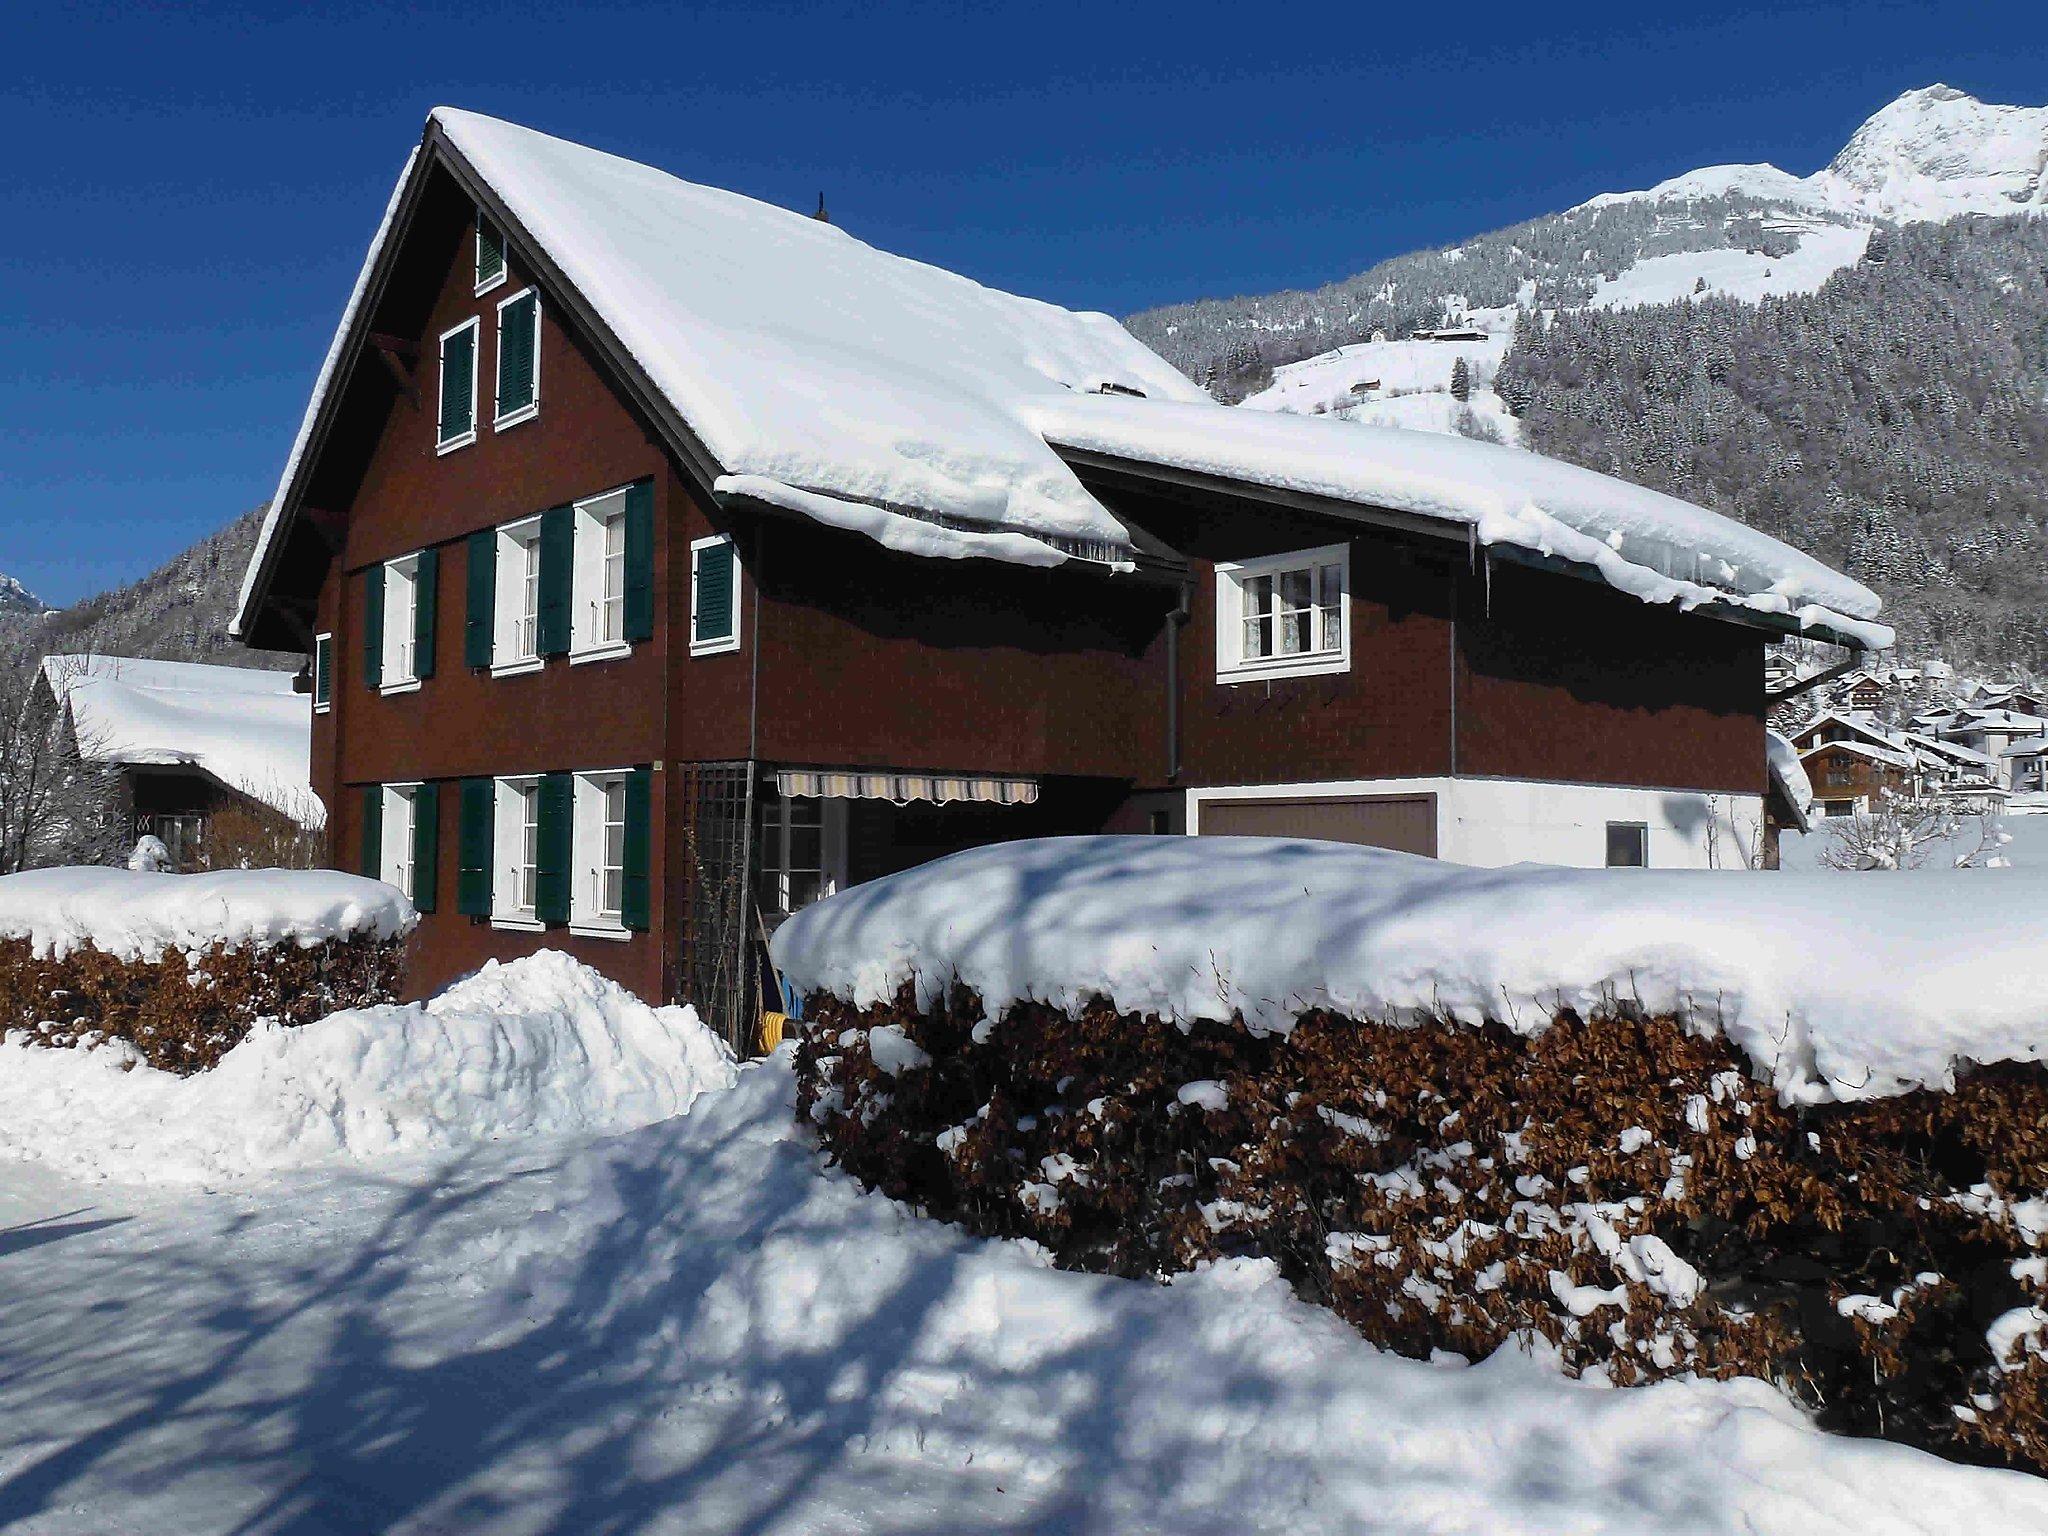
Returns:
(1839, 775)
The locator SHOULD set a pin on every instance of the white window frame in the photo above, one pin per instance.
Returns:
(476, 349)
(512, 798)
(398, 819)
(587, 601)
(588, 825)
(517, 545)
(773, 856)
(400, 669)
(1232, 666)
(499, 420)
(318, 707)
(484, 285)
(727, 643)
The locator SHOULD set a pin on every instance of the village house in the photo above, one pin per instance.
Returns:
(189, 744)
(667, 560)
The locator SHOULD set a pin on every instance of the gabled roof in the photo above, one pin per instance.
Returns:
(1862, 725)
(244, 728)
(1889, 756)
(796, 368)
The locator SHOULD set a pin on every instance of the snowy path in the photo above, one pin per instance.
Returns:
(689, 1328)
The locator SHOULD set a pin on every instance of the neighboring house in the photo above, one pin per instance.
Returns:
(2025, 767)
(668, 560)
(1864, 692)
(1991, 730)
(1850, 777)
(189, 740)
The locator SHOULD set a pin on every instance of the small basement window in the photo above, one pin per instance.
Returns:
(490, 254)
(1284, 615)
(1628, 845)
(458, 387)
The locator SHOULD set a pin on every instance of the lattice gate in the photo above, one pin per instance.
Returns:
(716, 963)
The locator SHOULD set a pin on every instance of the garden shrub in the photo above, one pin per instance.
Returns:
(183, 1011)
(1620, 1186)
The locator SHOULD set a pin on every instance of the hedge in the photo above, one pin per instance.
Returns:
(1619, 1185)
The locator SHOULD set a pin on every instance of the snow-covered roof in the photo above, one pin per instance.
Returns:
(1891, 756)
(245, 727)
(1953, 752)
(1643, 542)
(1852, 720)
(1788, 774)
(2033, 747)
(1269, 928)
(831, 379)
(1997, 720)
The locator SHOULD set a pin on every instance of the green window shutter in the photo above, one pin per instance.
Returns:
(490, 252)
(473, 871)
(373, 626)
(323, 671)
(373, 831)
(557, 557)
(426, 600)
(518, 351)
(458, 384)
(479, 623)
(551, 874)
(640, 560)
(635, 904)
(426, 846)
(712, 605)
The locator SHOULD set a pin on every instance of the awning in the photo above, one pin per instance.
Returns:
(903, 788)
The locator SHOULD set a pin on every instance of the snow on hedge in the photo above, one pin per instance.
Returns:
(1861, 987)
(138, 915)
(1652, 546)
(540, 1046)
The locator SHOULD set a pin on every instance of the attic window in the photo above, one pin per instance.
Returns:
(490, 254)
(458, 387)
(518, 358)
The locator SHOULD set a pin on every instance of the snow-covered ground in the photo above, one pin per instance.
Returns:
(1404, 383)
(695, 1326)
(2027, 849)
(1823, 250)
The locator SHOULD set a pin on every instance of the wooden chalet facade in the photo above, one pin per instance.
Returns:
(576, 690)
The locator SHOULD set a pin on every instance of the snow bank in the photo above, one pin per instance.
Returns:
(138, 915)
(1207, 927)
(242, 726)
(541, 1046)
(699, 1328)
(1652, 546)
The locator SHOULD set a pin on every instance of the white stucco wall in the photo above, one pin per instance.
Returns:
(1531, 821)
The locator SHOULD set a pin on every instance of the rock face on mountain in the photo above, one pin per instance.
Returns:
(16, 600)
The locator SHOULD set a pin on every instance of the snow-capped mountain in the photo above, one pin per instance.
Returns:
(1935, 153)
(15, 599)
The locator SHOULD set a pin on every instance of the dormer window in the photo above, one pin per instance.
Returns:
(490, 254)
(1284, 615)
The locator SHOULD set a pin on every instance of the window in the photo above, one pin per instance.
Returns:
(515, 869)
(458, 387)
(515, 638)
(1284, 616)
(518, 359)
(490, 254)
(395, 865)
(597, 900)
(323, 673)
(803, 851)
(714, 596)
(1838, 807)
(598, 595)
(1628, 845)
(400, 669)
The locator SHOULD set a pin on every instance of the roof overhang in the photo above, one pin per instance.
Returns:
(1141, 472)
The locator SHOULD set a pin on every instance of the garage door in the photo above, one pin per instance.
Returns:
(1404, 822)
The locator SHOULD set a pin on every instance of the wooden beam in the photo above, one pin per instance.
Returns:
(399, 359)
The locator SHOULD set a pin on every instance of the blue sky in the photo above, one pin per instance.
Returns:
(187, 190)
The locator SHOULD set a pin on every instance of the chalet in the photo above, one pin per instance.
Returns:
(666, 560)
(1991, 730)
(2024, 766)
(1864, 692)
(1851, 777)
(188, 742)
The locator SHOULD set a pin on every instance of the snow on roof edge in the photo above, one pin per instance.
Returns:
(286, 482)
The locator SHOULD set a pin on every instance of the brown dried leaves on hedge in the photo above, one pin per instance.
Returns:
(1619, 1186)
(183, 1012)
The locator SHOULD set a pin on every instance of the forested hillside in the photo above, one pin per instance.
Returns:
(1894, 423)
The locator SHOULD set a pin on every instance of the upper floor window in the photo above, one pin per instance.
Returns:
(398, 621)
(518, 359)
(323, 673)
(490, 254)
(598, 586)
(714, 596)
(458, 386)
(1284, 615)
(515, 639)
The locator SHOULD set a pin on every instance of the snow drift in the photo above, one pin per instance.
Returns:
(1204, 928)
(137, 915)
(540, 1046)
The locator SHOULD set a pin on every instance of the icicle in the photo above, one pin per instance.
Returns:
(1488, 603)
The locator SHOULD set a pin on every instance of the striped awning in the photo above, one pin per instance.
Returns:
(904, 788)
